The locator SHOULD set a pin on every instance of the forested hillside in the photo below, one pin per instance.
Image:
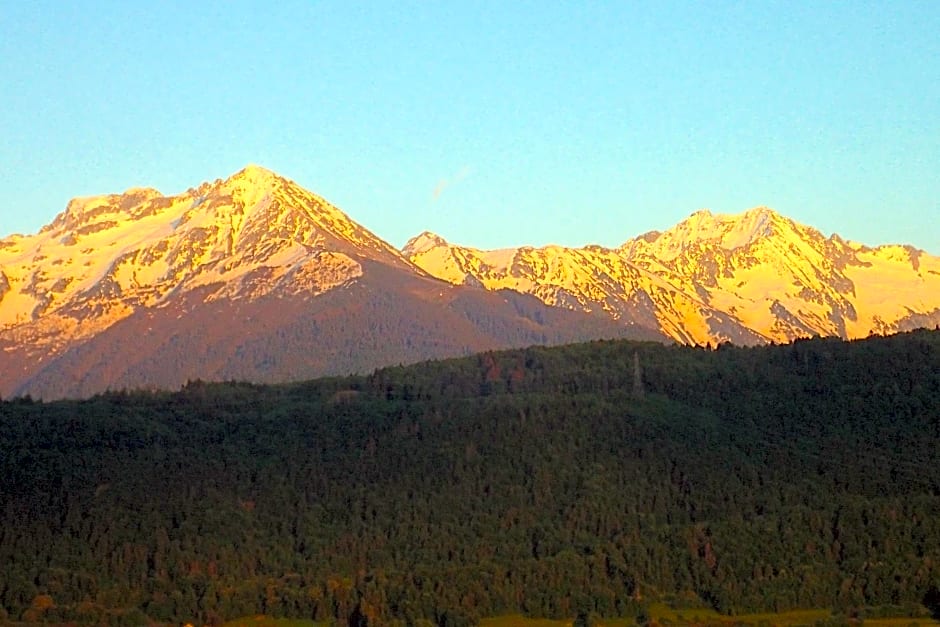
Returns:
(549, 481)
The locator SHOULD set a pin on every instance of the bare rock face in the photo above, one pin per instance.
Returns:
(250, 277)
(750, 278)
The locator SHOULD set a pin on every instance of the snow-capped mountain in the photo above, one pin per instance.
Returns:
(252, 277)
(750, 278)
(242, 237)
(255, 278)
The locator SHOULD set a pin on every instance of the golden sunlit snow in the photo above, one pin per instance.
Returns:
(748, 278)
(106, 256)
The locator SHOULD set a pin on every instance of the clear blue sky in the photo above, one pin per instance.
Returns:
(491, 123)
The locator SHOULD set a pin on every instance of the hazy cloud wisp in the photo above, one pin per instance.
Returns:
(444, 183)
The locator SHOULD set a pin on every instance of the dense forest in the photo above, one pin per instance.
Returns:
(585, 479)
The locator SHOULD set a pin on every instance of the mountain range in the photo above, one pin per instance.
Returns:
(752, 278)
(256, 278)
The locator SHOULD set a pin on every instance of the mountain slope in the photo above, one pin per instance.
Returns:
(140, 289)
(382, 318)
(751, 278)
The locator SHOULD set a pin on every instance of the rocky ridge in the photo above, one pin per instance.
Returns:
(751, 278)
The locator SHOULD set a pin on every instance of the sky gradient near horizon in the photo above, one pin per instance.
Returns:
(490, 123)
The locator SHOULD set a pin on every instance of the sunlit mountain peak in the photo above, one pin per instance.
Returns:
(751, 277)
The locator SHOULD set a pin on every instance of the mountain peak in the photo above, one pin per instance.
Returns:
(246, 236)
(706, 217)
(727, 231)
(761, 210)
(422, 243)
(252, 178)
(253, 172)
